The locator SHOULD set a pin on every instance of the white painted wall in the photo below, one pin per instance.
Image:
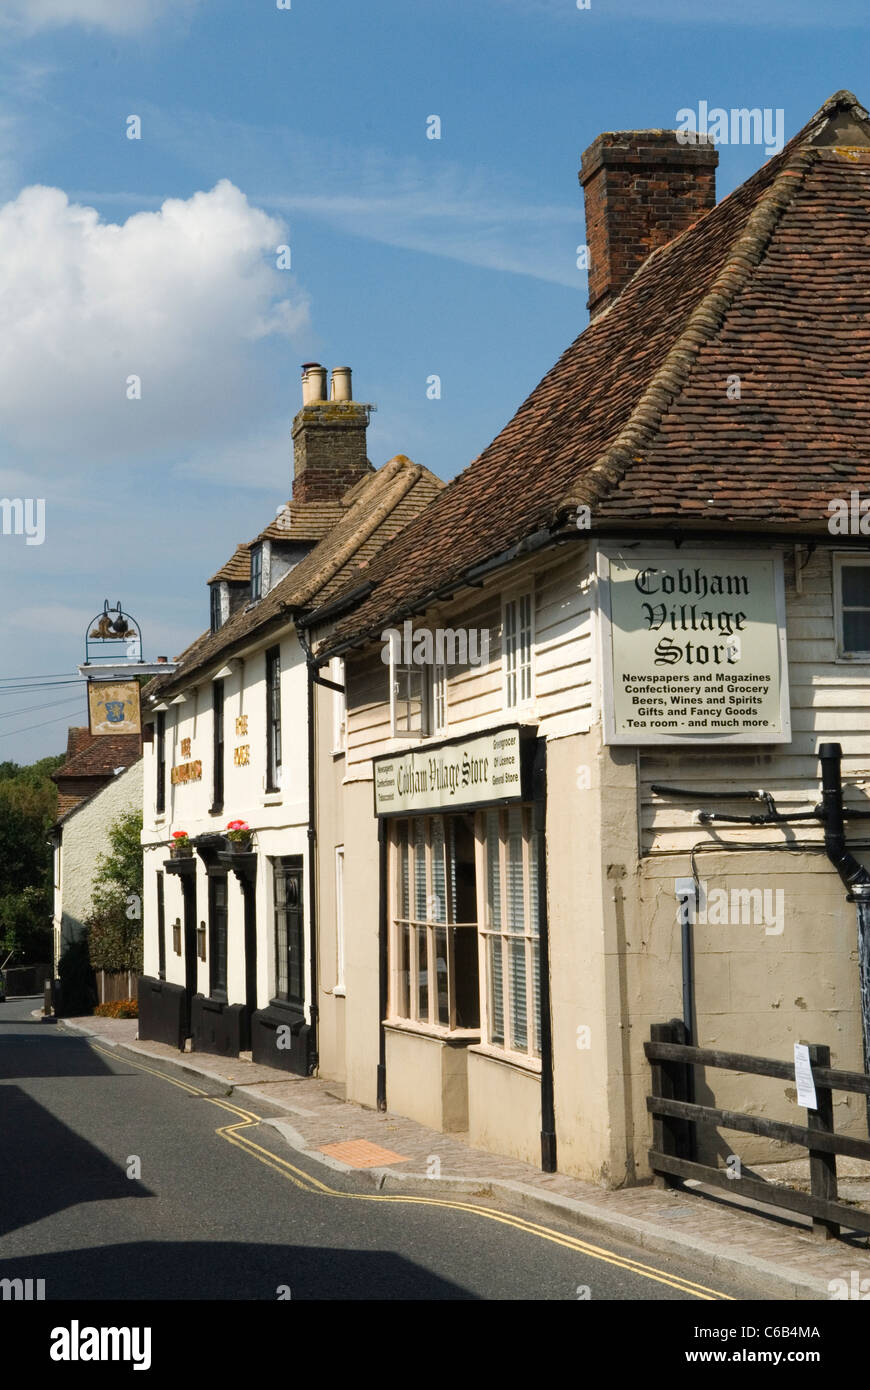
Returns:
(84, 838)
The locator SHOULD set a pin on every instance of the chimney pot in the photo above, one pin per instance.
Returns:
(341, 384)
(642, 188)
(313, 382)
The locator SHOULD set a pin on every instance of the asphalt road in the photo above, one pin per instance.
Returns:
(224, 1208)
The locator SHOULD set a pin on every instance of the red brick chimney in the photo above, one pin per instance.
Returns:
(329, 437)
(642, 188)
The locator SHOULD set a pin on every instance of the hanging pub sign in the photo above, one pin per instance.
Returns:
(113, 707)
(488, 768)
(693, 647)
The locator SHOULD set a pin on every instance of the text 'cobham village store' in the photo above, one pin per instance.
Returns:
(462, 826)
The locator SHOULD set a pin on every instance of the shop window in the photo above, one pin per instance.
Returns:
(517, 650)
(852, 604)
(289, 931)
(509, 933)
(434, 943)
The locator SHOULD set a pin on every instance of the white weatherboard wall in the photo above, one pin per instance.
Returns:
(279, 819)
(564, 665)
(85, 837)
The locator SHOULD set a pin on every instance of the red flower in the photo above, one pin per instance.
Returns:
(179, 834)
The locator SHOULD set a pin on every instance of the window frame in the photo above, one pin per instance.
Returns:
(256, 572)
(842, 559)
(160, 753)
(219, 952)
(274, 751)
(399, 670)
(161, 927)
(412, 928)
(512, 648)
(284, 866)
(216, 608)
(218, 747)
(337, 674)
(532, 842)
(339, 987)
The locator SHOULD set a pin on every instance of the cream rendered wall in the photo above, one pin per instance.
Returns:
(84, 840)
(563, 704)
(361, 880)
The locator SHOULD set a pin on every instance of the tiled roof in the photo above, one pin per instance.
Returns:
(378, 508)
(237, 569)
(98, 755)
(304, 521)
(772, 287)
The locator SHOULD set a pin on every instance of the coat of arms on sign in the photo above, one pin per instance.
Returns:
(113, 707)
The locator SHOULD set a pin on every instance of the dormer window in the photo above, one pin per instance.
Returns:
(257, 572)
(215, 607)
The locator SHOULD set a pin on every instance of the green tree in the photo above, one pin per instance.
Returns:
(115, 922)
(28, 809)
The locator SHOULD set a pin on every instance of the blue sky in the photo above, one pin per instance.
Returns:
(304, 127)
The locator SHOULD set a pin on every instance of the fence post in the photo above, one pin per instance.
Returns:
(823, 1166)
(668, 1083)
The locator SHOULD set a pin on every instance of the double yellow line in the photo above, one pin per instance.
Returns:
(245, 1119)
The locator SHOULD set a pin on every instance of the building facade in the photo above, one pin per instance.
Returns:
(651, 596)
(230, 932)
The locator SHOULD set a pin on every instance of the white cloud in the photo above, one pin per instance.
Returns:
(175, 297)
(114, 16)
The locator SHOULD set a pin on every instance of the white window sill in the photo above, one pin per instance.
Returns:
(434, 1031)
(338, 992)
(276, 800)
(531, 1065)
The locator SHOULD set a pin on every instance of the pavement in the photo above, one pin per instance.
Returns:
(766, 1249)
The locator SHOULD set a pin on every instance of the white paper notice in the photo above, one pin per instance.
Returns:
(803, 1075)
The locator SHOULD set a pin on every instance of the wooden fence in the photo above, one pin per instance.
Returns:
(675, 1117)
(115, 984)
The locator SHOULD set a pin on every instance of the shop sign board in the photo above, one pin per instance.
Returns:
(459, 773)
(693, 647)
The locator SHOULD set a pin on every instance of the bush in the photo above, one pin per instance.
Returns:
(78, 992)
(118, 1008)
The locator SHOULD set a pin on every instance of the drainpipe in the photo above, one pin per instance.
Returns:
(856, 879)
(847, 866)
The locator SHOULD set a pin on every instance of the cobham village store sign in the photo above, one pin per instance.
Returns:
(467, 772)
(693, 648)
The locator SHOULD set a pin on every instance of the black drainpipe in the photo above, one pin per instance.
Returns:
(847, 866)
